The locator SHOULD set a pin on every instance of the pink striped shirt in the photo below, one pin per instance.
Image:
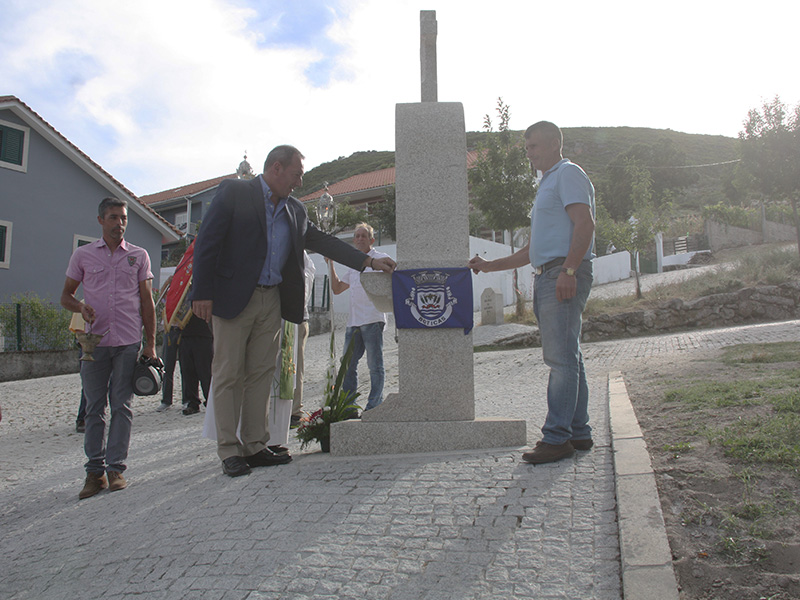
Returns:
(111, 287)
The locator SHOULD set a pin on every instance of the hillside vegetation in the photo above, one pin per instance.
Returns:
(594, 148)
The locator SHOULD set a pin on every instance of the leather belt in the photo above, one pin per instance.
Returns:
(556, 262)
(265, 287)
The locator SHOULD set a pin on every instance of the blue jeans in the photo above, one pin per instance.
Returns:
(367, 338)
(560, 328)
(108, 380)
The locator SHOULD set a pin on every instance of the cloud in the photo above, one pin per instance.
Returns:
(163, 94)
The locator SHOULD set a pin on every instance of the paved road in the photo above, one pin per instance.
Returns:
(449, 526)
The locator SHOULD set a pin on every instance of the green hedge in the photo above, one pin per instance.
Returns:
(30, 323)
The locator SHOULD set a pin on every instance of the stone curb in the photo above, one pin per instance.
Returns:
(645, 555)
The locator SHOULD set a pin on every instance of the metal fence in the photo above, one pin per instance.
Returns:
(30, 326)
(320, 295)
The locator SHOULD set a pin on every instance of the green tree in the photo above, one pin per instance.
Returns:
(348, 216)
(662, 159)
(502, 185)
(637, 232)
(770, 143)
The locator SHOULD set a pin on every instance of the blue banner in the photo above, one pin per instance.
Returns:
(428, 298)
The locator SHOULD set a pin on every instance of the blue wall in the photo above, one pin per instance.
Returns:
(47, 206)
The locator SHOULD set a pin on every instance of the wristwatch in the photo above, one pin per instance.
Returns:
(568, 271)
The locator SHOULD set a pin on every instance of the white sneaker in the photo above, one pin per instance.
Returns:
(162, 407)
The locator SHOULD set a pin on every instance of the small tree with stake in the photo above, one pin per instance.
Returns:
(636, 233)
(502, 184)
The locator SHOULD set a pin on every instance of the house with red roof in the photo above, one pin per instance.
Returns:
(49, 193)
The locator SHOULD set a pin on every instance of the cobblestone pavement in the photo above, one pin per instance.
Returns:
(437, 526)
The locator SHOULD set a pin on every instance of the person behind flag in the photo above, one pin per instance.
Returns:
(117, 288)
(169, 354)
(196, 353)
(365, 323)
(560, 250)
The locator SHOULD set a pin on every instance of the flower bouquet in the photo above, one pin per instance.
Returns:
(339, 405)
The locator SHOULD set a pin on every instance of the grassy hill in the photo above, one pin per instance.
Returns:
(591, 147)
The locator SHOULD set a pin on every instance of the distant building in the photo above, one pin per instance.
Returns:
(185, 206)
(363, 192)
(49, 193)
(366, 191)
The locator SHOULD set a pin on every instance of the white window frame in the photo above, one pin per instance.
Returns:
(81, 238)
(23, 168)
(182, 221)
(6, 264)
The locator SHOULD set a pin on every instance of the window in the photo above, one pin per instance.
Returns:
(81, 240)
(14, 146)
(5, 245)
(181, 221)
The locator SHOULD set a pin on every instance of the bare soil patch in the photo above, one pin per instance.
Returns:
(733, 524)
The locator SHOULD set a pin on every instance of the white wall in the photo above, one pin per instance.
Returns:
(613, 267)
(609, 268)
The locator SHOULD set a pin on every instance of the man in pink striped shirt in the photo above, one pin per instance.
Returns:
(118, 301)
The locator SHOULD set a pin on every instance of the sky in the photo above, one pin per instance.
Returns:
(162, 93)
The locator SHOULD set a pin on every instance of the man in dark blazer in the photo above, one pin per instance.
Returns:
(248, 274)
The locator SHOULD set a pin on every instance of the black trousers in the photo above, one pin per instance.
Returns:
(170, 357)
(196, 354)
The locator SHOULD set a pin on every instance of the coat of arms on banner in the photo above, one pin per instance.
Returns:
(430, 298)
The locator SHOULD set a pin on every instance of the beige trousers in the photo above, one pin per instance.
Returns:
(245, 353)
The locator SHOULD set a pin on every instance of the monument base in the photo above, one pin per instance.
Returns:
(356, 438)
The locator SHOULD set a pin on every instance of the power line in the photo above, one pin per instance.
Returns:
(726, 162)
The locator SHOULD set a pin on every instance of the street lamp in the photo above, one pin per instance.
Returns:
(326, 219)
(326, 211)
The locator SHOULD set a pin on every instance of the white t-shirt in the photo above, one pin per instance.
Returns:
(362, 311)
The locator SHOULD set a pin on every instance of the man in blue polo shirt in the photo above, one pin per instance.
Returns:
(560, 250)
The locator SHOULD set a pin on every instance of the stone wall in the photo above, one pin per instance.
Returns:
(749, 305)
(722, 236)
(760, 304)
(29, 365)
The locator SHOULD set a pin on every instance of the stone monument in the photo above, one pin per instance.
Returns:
(434, 409)
(491, 307)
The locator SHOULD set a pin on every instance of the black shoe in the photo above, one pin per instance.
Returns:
(279, 450)
(294, 422)
(267, 458)
(191, 410)
(235, 466)
(80, 426)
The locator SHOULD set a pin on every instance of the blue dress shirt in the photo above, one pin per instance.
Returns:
(278, 238)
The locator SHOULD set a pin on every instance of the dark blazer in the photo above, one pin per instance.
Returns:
(231, 248)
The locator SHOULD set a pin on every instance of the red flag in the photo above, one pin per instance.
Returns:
(178, 288)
